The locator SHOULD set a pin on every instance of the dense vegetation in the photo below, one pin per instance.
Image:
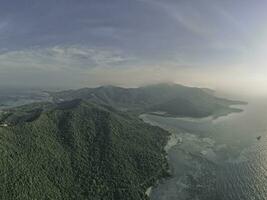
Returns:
(85, 146)
(78, 150)
(173, 99)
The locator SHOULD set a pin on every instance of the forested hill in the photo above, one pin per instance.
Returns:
(83, 146)
(173, 99)
(78, 150)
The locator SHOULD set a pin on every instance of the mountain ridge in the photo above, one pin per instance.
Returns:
(174, 99)
(91, 143)
(80, 150)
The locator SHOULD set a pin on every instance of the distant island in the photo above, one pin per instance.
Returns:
(91, 142)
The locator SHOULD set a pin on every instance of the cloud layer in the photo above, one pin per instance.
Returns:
(69, 43)
(49, 66)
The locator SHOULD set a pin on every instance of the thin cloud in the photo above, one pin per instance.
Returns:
(62, 66)
(61, 58)
(186, 16)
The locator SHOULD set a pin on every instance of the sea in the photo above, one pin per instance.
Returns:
(216, 159)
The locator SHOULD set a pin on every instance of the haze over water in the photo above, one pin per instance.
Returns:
(219, 44)
(218, 159)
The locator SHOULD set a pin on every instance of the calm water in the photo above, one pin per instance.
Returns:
(217, 159)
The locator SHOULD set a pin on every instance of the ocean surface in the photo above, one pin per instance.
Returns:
(216, 159)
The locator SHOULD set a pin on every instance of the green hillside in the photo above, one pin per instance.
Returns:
(85, 146)
(173, 99)
(78, 150)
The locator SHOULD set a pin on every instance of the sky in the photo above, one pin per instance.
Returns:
(85, 43)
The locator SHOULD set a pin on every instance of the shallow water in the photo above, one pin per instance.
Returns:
(218, 159)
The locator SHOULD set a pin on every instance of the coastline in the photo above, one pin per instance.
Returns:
(148, 191)
(173, 140)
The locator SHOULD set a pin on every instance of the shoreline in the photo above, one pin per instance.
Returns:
(230, 110)
(173, 140)
(148, 191)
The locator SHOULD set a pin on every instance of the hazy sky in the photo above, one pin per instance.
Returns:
(75, 43)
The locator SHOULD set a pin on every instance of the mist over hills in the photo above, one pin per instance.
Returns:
(174, 99)
(91, 144)
(90, 108)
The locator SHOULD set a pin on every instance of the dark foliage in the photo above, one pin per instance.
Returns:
(78, 150)
(173, 99)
